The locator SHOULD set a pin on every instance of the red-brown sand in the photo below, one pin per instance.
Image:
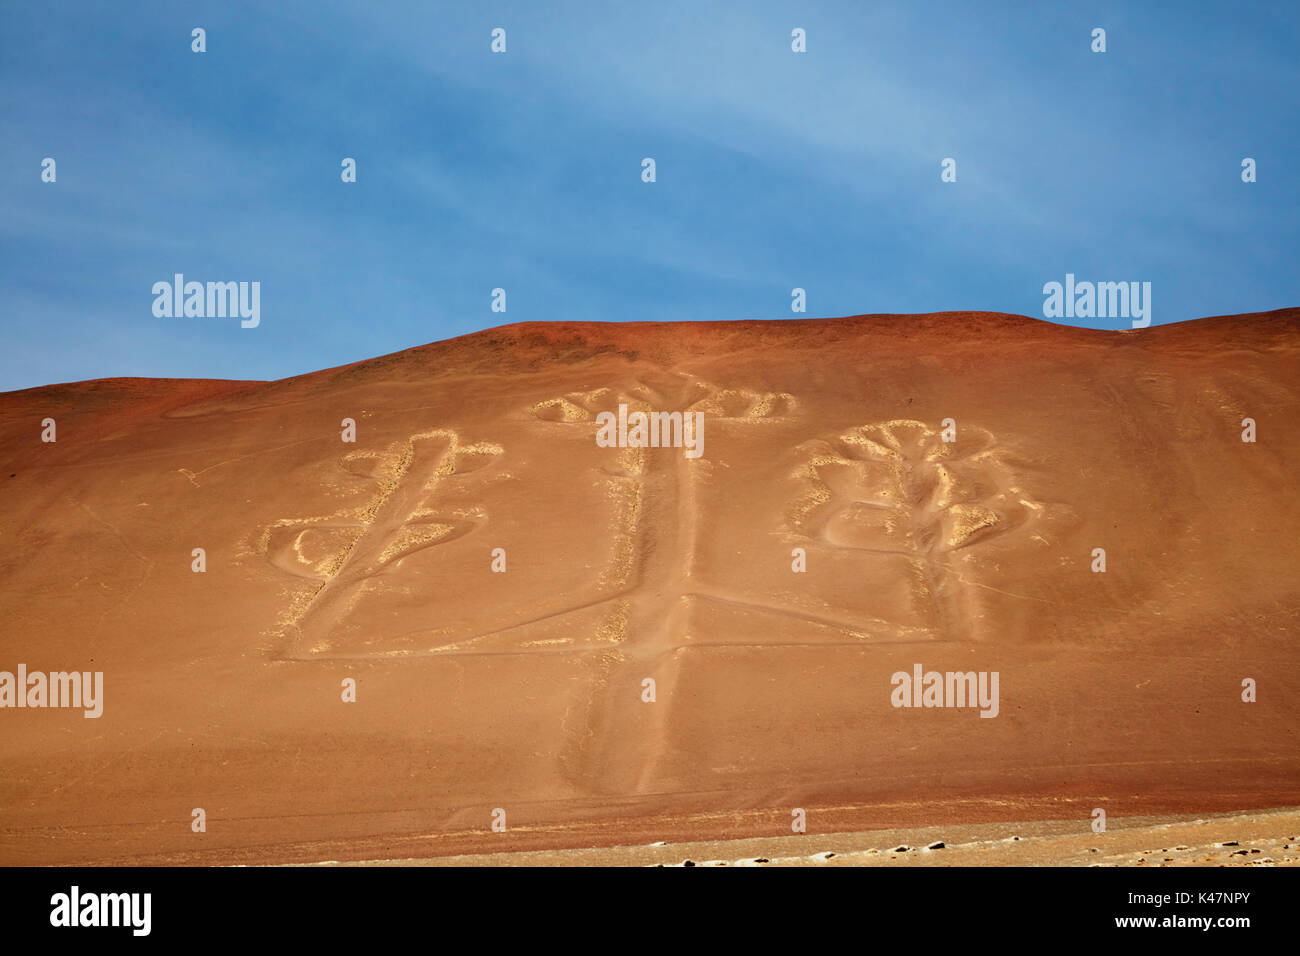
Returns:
(523, 691)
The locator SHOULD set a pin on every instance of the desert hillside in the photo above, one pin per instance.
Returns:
(501, 587)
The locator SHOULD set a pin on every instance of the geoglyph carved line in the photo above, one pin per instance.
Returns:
(894, 490)
(895, 486)
(345, 549)
(339, 549)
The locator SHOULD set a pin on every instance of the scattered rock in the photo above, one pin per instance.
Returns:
(688, 863)
(936, 845)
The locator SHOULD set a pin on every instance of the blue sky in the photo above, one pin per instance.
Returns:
(522, 170)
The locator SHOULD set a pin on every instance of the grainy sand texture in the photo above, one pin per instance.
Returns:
(597, 647)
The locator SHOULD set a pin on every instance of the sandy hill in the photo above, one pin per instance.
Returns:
(524, 689)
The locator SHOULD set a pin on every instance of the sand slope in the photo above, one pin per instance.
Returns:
(523, 690)
(1268, 839)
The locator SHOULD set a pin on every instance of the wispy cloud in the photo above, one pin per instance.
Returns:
(522, 170)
